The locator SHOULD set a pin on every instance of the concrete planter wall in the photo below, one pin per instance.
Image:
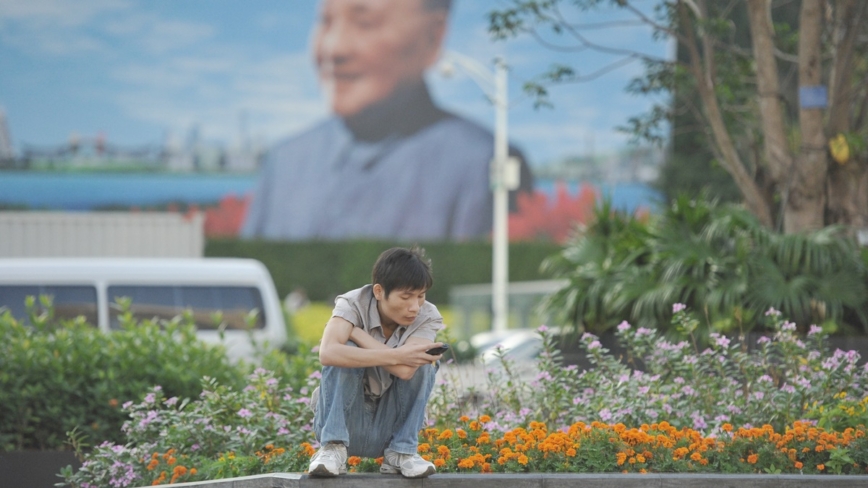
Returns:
(34, 469)
(291, 480)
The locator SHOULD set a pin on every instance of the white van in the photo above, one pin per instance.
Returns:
(159, 288)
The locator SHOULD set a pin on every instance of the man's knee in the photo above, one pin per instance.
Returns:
(423, 375)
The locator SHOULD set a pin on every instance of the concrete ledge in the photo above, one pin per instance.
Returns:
(537, 480)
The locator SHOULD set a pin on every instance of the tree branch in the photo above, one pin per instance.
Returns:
(848, 16)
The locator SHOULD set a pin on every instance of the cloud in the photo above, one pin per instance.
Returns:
(277, 93)
(57, 12)
(153, 34)
(55, 27)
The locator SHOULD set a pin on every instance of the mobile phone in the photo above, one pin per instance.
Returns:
(436, 351)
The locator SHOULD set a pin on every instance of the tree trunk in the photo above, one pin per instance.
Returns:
(848, 183)
(848, 194)
(775, 146)
(805, 196)
(702, 69)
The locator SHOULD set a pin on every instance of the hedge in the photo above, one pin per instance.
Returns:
(327, 268)
(57, 376)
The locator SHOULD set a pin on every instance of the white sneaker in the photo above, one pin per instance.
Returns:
(409, 465)
(330, 460)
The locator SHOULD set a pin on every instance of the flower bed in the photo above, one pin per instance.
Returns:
(788, 406)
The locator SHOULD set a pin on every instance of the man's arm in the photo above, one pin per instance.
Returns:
(399, 361)
(403, 371)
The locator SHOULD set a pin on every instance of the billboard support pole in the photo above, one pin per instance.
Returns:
(499, 186)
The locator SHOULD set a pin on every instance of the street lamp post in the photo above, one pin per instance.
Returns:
(504, 176)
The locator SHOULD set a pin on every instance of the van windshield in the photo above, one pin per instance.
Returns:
(70, 301)
(167, 302)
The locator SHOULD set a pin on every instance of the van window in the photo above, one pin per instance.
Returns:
(167, 302)
(70, 301)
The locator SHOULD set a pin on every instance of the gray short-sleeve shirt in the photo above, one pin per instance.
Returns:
(359, 307)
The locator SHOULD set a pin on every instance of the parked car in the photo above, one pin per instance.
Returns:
(159, 288)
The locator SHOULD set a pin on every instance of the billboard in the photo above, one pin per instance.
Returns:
(333, 118)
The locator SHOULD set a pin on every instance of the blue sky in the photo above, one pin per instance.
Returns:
(140, 71)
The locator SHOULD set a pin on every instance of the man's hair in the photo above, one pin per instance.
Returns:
(438, 4)
(402, 269)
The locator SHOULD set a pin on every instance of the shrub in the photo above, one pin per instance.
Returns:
(713, 258)
(225, 432)
(778, 380)
(809, 418)
(60, 376)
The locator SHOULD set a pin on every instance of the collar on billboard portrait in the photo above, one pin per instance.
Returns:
(407, 111)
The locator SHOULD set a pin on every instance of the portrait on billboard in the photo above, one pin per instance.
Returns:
(387, 162)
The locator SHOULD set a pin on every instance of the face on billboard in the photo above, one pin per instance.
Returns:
(365, 49)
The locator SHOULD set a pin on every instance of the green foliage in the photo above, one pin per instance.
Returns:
(67, 376)
(689, 411)
(605, 266)
(326, 269)
(224, 432)
(713, 258)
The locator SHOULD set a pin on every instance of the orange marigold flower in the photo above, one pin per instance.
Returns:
(439, 463)
(752, 459)
(726, 427)
(821, 467)
(379, 460)
(443, 450)
(446, 434)
(484, 419)
(696, 456)
(571, 452)
(465, 463)
(193, 471)
(475, 425)
(622, 457)
(423, 447)
(354, 460)
(640, 458)
(463, 418)
(799, 465)
(522, 460)
(462, 434)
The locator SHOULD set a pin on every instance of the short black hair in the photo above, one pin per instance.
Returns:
(438, 4)
(399, 268)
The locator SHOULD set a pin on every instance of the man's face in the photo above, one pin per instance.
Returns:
(365, 49)
(399, 307)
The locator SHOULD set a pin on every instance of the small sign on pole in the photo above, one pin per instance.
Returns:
(813, 97)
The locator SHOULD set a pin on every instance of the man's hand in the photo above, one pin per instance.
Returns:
(414, 354)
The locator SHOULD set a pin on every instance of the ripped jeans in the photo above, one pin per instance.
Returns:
(367, 426)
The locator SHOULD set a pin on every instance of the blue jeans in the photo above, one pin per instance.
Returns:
(367, 427)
